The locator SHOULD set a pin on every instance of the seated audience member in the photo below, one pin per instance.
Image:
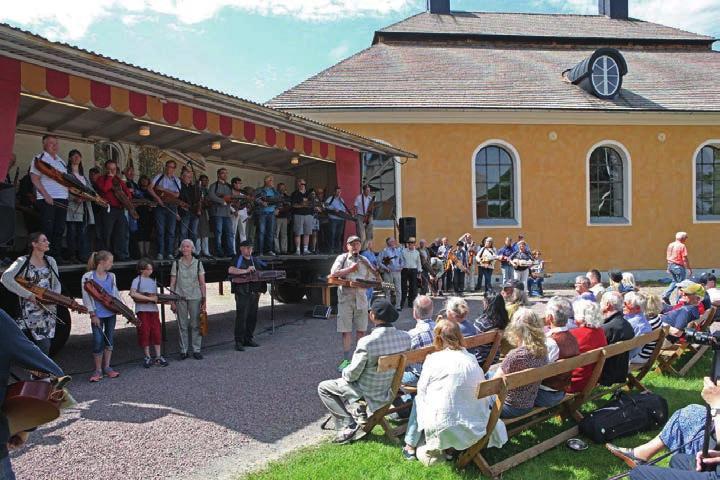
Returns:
(525, 333)
(420, 336)
(634, 313)
(701, 306)
(684, 431)
(596, 286)
(360, 379)
(493, 317)
(589, 335)
(537, 276)
(617, 329)
(456, 310)
(616, 282)
(582, 289)
(653, 307)
(678, 319)
(561, 344)
(447, 411)
(513, 293)
(627, 284)
(712, 291)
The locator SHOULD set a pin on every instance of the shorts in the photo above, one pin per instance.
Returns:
(302, 224)
(351, 318)
(149, 329)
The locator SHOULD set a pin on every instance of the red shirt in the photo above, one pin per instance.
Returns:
(677, 253)
(588, 339)
(105, 186)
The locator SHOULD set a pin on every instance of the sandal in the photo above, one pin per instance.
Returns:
(96, 377)
(111, 373)
(627, 455)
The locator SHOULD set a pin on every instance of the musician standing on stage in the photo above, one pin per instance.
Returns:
(16, 350)
(391, 263)
(115, 224)
(363, 204)
(189, 218)
(79, 214)
(202, 243)
(52, 197)
(337, 224)
(143, 290)
(166, 216)
(459, 268)
(302, 217)
(247, 296)
(282, 218)
(36, 320)
(352, 302)
(238, 216)
(220, 215)
(187, 279)
(268, 197)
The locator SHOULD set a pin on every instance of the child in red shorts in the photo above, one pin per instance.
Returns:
(144, 291)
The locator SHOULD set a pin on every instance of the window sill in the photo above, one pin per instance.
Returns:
(608, 222)
(498, 222)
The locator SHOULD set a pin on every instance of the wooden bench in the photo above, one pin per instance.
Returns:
(671, 354)
(568, 407)
(399, 361)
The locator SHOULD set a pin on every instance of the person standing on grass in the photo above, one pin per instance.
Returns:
(102, 319)
(187, 279)
(678, 263)
(352, 302)
(143, 291)
(361, 379)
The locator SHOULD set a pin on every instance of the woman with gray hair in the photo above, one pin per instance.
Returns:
(589, 335)
(187, 279)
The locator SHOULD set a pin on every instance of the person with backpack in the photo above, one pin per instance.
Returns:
(187, 279)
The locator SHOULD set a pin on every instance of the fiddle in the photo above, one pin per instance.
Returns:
(45, 295)
(143, 202)
(369, 211)
(169, 197)
(122, 198)
(29, 404)
(74, 186)
(162, 297)
(109, 301)
(86, 196)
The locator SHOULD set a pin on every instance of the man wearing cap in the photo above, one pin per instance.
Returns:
(247, 295)
(360, 379)
(352, 302)
(678, 319)
(409, 274)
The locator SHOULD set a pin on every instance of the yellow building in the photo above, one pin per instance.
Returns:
(596, 136)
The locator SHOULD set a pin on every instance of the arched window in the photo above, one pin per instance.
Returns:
(497, 196)
(609, 185)
(707, 183)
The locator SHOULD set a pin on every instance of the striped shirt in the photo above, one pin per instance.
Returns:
(53, 188)
(647, 349)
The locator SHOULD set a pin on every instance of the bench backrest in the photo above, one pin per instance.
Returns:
(703, 323)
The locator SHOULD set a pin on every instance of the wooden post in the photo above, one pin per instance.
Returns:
(221, 290)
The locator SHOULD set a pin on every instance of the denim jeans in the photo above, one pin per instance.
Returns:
(223, 230)
(410, 379)
(535, 285)
(266, 230)
(52, 219)
(165, 221)
(77, 240)
(412, 435)
(103, 342)
(682, 467)
(336, 230)
(507, 272)
(486, 276)
(6, 471)
(508, 411)
(189, 226)
(548, 398)
(679, 274)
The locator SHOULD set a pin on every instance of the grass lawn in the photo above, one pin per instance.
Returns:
(376, 458)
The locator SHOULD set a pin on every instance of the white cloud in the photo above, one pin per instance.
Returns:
(70, 19)
(339, 52)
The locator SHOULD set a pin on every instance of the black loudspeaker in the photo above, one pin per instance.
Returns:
(7, 212)
(406, 225)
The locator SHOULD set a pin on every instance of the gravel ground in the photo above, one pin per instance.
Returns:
(214, 418)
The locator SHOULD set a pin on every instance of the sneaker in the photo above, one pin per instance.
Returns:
(160, 361)
(407, 455)
(271, 253)
(169, 257)
(342, 365)
(160, 256)
(197, 356)
(147, 362)
(347, 434)
(183, 356)
(250, 343)
(298, 252)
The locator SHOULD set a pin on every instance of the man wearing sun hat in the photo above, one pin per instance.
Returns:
(352, 302)
(691, 295)
(361, 379)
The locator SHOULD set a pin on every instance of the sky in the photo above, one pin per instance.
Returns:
(256, 49)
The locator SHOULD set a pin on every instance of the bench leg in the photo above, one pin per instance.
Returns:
(695, 358)
(389, 431)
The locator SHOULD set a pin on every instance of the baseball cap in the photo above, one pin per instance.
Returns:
(353, 238)
(694, 289)
(384, 311)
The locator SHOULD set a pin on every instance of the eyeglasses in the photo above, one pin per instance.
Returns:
(172, 166)
(303, 184)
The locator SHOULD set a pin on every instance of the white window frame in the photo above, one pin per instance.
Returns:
(398, 189)
(626, 221)
(517, 187)
(707, 143)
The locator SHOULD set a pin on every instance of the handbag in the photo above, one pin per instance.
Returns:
(627, 414)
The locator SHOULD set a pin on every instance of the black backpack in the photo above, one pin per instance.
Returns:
(627, 414)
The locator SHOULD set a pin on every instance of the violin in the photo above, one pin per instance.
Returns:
(162, 297)
(168, 197)
(143, 202)
(369, 211)
(122, 198)
(45, 295)
(74, 186)
(453, 261)
(29, 404)
(238, 201)
(109, 301)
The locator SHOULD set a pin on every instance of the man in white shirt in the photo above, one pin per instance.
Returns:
(166, 216)
(52, 197)
(596, 286)
(364, 204)
(410, 272)
(337, 224)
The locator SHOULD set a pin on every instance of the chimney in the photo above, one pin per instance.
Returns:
(617, 9)
(438, 6)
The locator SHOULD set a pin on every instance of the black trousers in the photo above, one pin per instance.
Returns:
(246, 309)
(116, 232)
(458, 280)
(408, 278)
(52, 220)
(682, 467)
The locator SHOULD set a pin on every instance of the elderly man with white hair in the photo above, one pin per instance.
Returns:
(617, 329)
(561, 344)
(420, 336)
(582, 288)
(678, 263)
(634, 312)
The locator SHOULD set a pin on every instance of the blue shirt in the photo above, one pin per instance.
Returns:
(270, 193)
(681, 317)
(397, 262)
(100, 310)
(370, 255)
(336, 204)
(420, 336)
(640, 326)
(516, 248)
(467, 329)
(505, 252)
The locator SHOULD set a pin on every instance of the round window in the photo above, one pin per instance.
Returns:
(605, 76)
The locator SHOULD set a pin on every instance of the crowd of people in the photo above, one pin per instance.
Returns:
(446, 417)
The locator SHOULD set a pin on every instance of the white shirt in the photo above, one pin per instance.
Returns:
(349, 294)
(448, 410)
(53, 188)
(412, 259)
(714, 294)
(597, 290)
(171, 183)
(359, 207)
